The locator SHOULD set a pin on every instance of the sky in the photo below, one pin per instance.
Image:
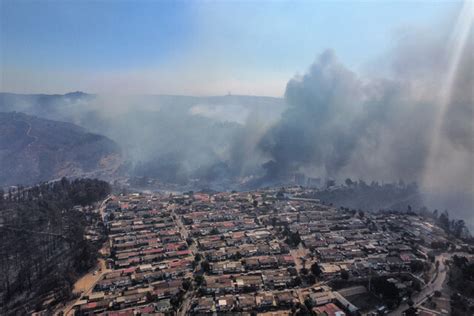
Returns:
(192, 47)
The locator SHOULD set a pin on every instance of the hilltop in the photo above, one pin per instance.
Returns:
(33, 149)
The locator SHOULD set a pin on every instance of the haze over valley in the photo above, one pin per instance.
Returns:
(331, 123)
(268, 158)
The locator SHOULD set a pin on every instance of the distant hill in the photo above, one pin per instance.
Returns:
(175, 139)
(77, 106)
(34, 149)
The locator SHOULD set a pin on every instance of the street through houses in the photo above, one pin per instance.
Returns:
(251, 252)
(435, 284)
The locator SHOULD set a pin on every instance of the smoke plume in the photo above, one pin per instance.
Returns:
(412, 124)
(410, 119)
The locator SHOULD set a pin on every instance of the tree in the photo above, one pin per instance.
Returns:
(411, 311)
(293, 239)
(205, 266)
(176, 300)
(316, 269)
(444, 220)
(48, 208)
(297, 281)
(459, 261)
(344, 275)
(309, 303)
(386, 289)
(416, 265)
(303, 311)
(458, 228)
(187, 284)
(310, 279)
(199, 279)
(280, 194)
(274, 221)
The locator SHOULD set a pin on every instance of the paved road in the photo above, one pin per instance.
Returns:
(188, 297)
(186, 305)
(436, 284)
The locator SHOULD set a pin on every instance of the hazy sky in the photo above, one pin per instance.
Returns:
(192, 47)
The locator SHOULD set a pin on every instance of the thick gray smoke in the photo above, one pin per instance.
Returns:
(209, 141)
(415, 124)
(411, 121)
(337, 121)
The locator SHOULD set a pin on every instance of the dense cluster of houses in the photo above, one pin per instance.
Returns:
(249, 253)
(149, 259)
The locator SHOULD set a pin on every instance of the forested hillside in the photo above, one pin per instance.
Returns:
(374, 196)
(42, 241)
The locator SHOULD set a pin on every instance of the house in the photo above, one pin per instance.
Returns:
(285, 299)
(225, 303)
(220, 284)
(279, 279)
(321, 298)
(246, 302)
(204, 304)
(329, 309)
(252, 263)
(286, 260)
(251, 282)
(163, 306)
(264, 301)
(268, 262)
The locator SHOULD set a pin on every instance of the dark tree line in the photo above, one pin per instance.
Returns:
(457, 228)
(461, 280)
(42, 245)
(370, 196)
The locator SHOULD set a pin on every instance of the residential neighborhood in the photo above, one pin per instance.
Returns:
(262, 253)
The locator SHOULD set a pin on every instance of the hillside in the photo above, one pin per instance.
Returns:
(34, 149)
(48, 239)
(175, 139)
(373, 197)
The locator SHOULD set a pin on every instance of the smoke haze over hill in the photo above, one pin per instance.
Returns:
(405, 125)
(399, 122)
